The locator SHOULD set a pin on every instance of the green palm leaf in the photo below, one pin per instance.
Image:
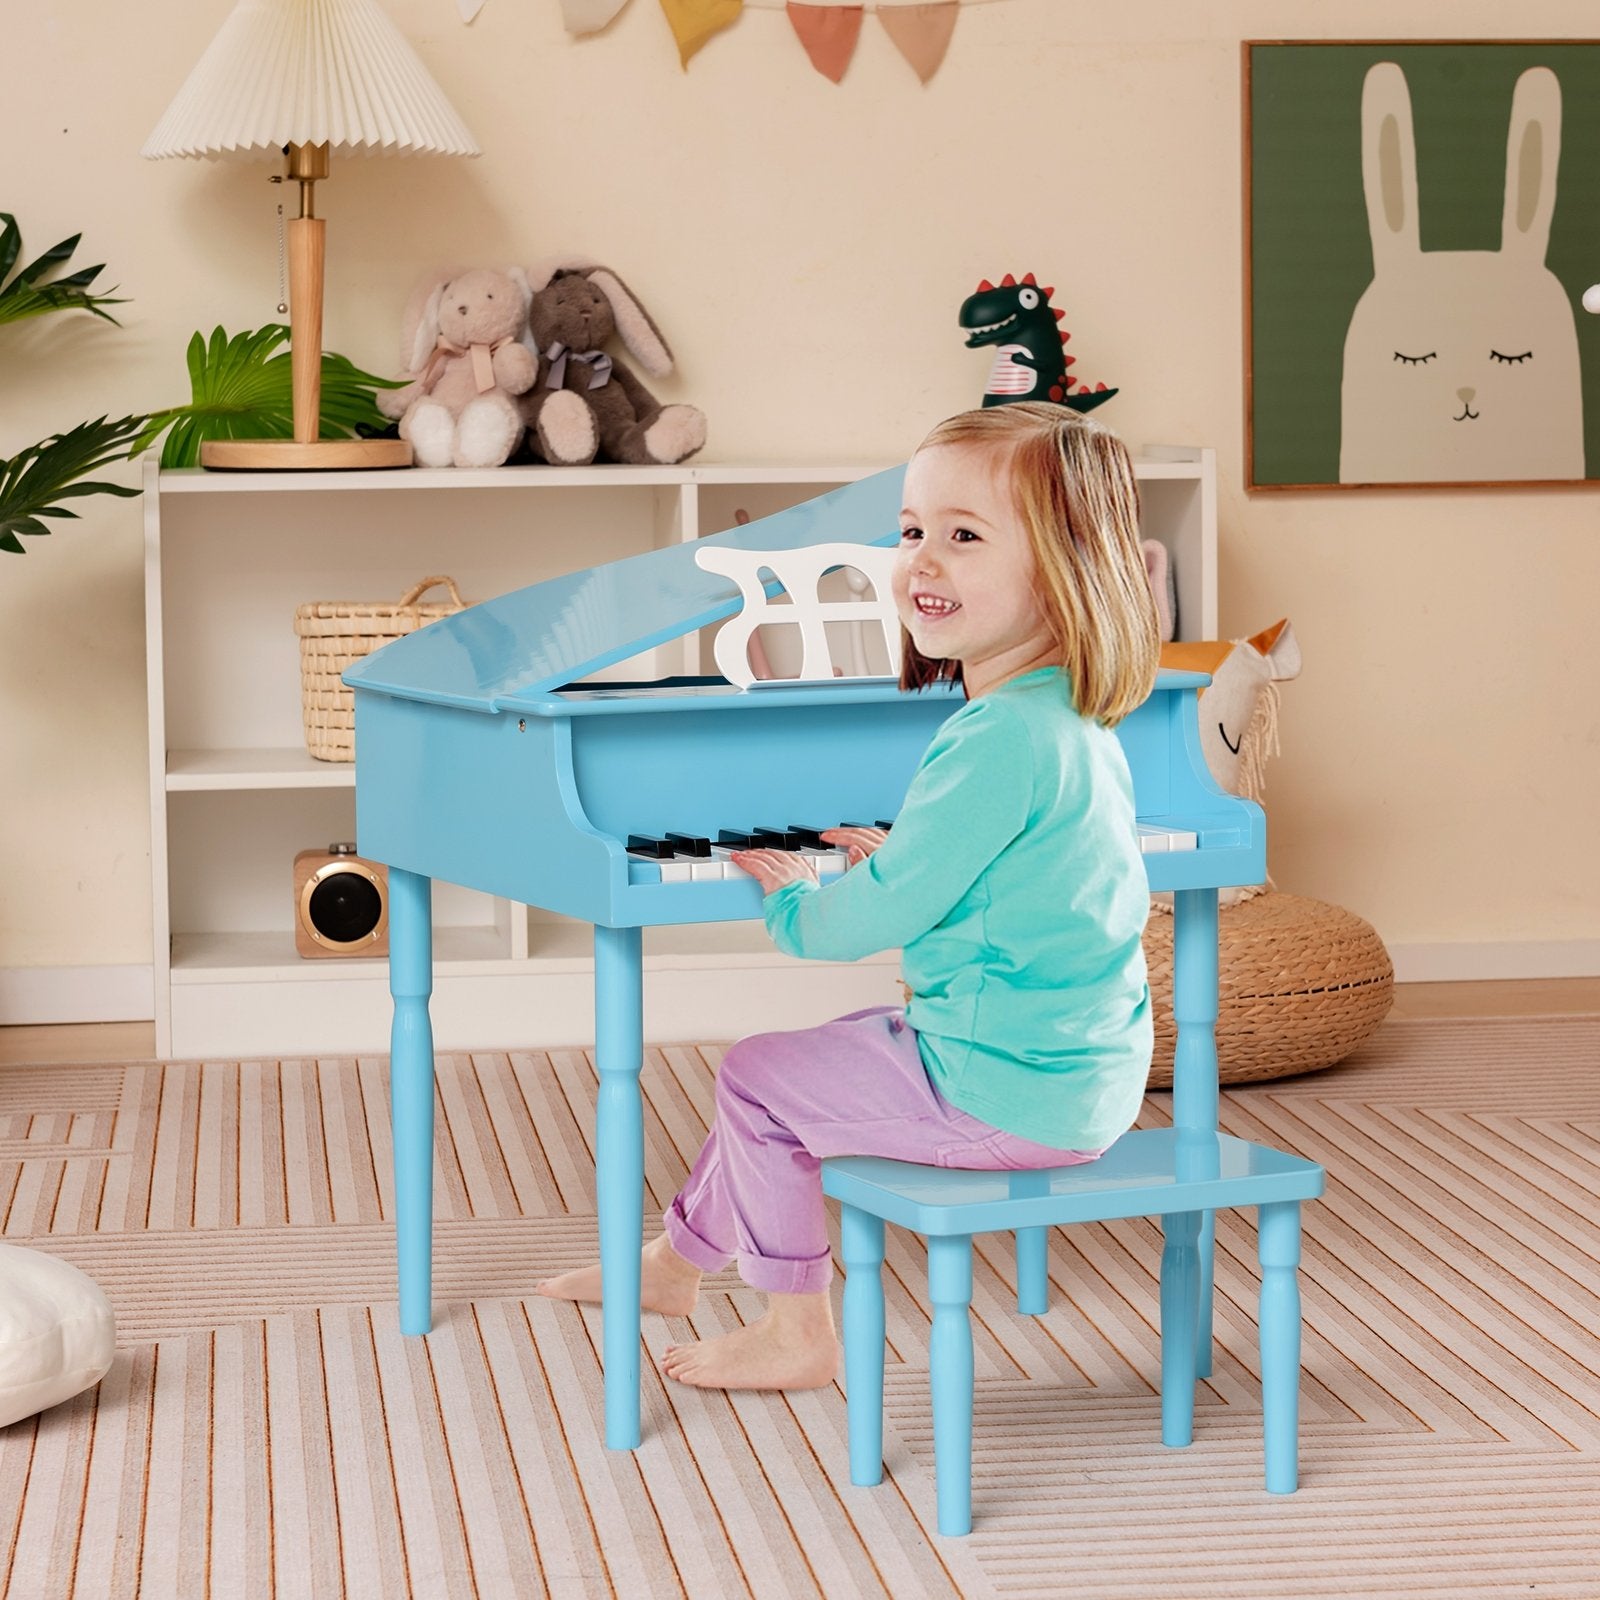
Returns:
(243, 388)
(35, 480)
(28, 294)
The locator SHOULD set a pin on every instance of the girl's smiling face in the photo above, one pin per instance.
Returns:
(965, 584)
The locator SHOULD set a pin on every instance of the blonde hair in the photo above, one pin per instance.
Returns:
(1074, 492)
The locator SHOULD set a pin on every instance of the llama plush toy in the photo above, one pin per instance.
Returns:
(1238, 713)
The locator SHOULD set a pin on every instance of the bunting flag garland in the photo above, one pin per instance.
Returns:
(919, 29)
(580, 16)
(829, 34)
(693, 22)
(921, 33)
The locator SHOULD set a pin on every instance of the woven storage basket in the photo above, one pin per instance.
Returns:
(334, 633)
(1301, 983)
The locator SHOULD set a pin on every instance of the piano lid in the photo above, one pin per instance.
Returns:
(534, 640)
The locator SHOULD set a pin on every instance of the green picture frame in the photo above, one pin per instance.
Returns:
(1421, 223)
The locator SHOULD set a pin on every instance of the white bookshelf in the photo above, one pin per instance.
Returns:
(234, 794)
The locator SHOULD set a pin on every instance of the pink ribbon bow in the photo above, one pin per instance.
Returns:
(482, 363)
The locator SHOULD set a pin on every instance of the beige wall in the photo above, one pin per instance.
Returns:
(805, 247)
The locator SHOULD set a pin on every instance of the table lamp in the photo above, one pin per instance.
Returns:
(302, 78)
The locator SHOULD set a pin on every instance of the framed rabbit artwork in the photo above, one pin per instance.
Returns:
(1422, 221)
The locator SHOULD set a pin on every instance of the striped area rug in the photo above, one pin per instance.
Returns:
(266, 1431)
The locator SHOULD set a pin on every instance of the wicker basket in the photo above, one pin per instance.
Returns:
(334, 633)
(1301, 984)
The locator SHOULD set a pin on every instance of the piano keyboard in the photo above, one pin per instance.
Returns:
(687, 858)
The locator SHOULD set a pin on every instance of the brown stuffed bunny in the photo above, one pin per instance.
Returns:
(461, 352)
(585, 405)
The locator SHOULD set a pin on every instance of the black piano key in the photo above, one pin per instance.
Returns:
(734, 839)
(809, 836)
(886, 826)
(774, 839)
(640, 844)
(688, 844)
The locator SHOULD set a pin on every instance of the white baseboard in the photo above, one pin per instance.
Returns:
(36, 995)
(1486, 962)
(547, 1010)
(76, 994)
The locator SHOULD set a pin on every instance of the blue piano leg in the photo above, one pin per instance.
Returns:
(619, 1169)
(411, 1091)
(1194, 1078)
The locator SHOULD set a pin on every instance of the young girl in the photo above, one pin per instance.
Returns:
(1012, 884)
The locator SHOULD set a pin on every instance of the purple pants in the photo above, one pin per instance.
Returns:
(855, 1087)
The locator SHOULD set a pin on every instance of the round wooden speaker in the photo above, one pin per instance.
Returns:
(341, 903)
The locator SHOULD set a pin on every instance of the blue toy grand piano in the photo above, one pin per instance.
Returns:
(486, 756)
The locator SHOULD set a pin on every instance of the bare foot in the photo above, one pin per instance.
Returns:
(791, 1347)
(667, 1283)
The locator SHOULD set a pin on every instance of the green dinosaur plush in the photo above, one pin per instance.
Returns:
(1030, 363)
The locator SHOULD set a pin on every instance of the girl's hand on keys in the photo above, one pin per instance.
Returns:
(774, 868)
(860, 842)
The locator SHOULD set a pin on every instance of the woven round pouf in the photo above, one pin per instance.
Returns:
(1300, 984)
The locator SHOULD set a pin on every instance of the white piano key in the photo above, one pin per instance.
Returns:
(1155, 841)
(724, 857)
(819, 859)
(677, 869)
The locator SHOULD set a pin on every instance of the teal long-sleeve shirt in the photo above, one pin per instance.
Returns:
(1013, 886)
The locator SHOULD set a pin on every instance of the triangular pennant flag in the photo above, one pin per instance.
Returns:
(921, 33)
(693, 22)
(583, 16)
(829, 34)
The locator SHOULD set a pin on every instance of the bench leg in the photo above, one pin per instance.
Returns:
(1032, 1246)
(1203, 1336)
(1279, 1246)
(1033, 1279)
(1180, 1290)
(861, 1242)
(950, 1375)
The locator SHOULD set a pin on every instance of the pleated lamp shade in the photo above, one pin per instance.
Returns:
(311, 72)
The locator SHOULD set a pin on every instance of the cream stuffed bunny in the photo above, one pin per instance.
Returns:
(461, 354)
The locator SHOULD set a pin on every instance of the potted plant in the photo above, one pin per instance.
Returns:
(35, 481)
(241, 388)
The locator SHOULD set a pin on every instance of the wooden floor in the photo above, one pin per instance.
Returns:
(267, 1432)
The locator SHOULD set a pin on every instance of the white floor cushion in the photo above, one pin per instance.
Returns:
(57, 1334)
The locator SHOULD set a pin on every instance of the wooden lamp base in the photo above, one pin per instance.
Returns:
(290, 455)
(306, 248)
